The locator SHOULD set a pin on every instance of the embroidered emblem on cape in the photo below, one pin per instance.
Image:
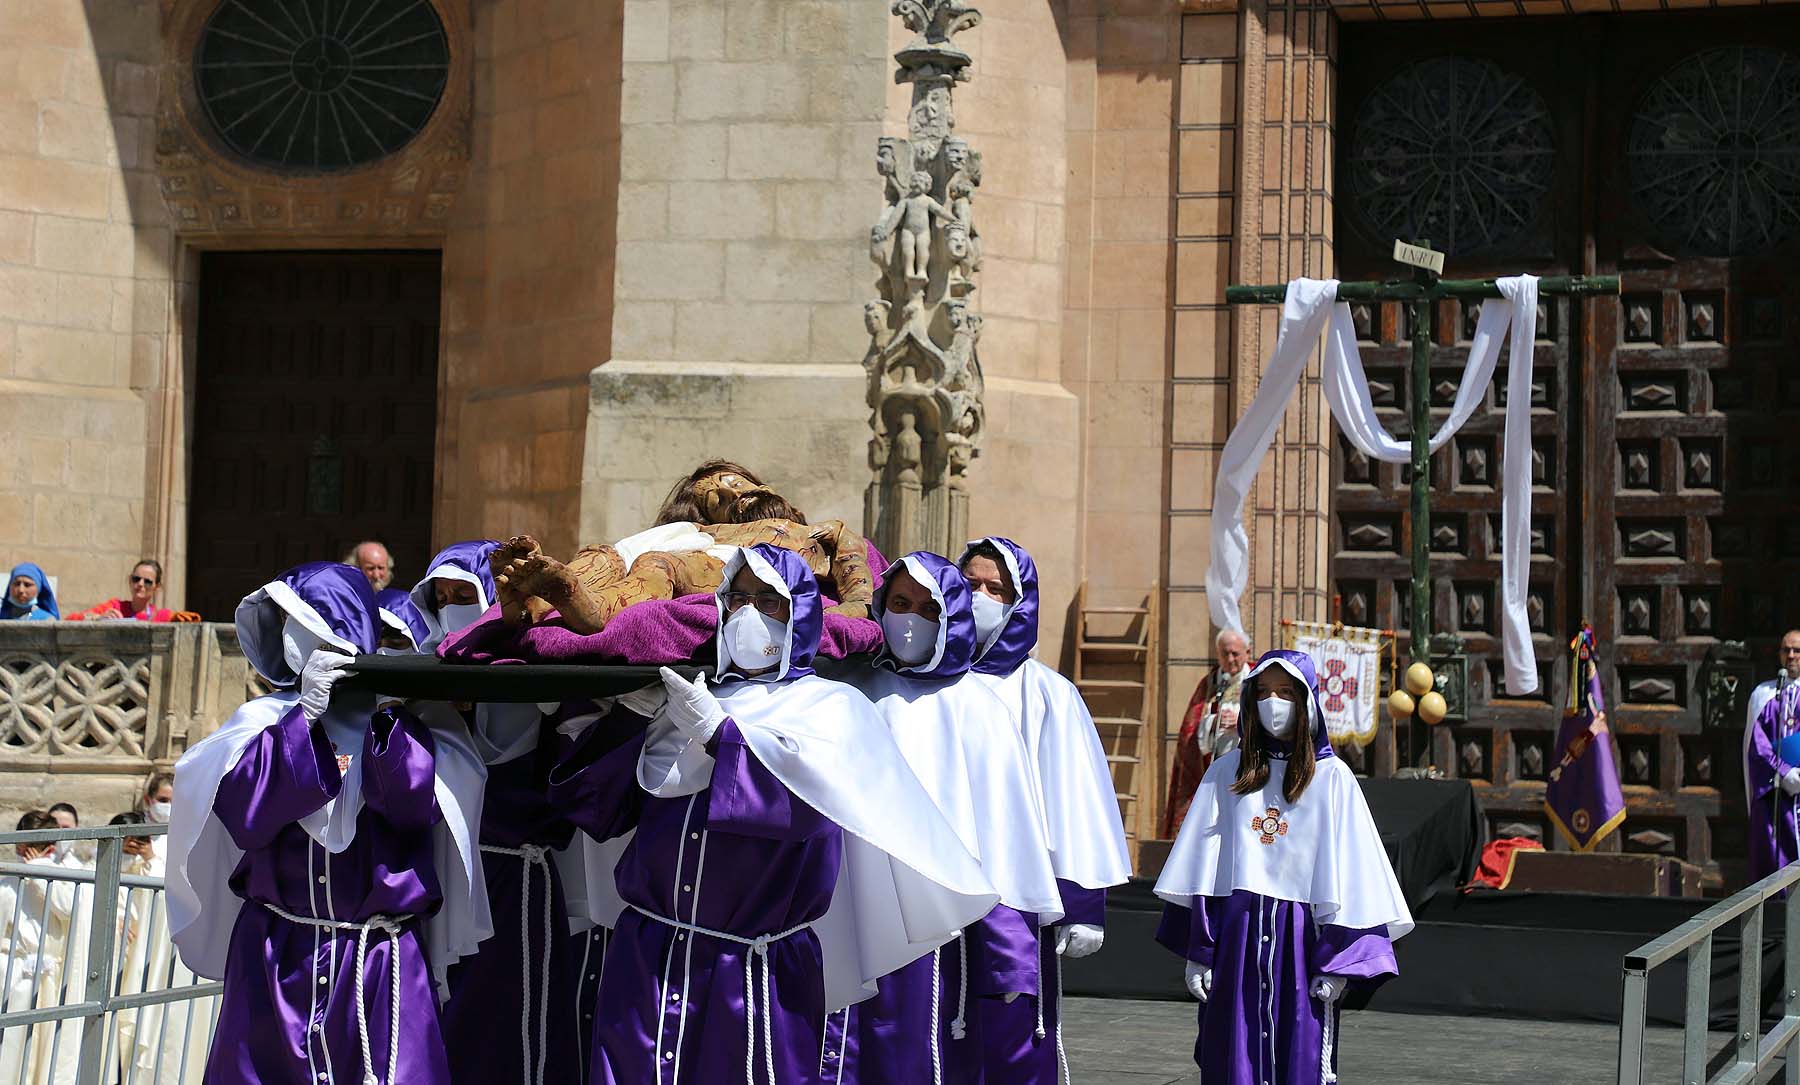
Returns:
(1269, 825)
(772, 651)
(1581, 823)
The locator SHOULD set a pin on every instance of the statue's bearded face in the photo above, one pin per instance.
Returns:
(716, 492)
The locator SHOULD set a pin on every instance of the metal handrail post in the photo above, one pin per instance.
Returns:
(1634, 1004)
(1699, 1000)
(101, 939)
(1749, 987)
(1790, 979)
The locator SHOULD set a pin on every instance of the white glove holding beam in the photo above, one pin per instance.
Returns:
(1790, 781)
(1199, 980)
(318, 674)
(691, 707)
(1078, 940)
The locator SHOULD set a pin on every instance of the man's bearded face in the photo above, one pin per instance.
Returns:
(716, 493)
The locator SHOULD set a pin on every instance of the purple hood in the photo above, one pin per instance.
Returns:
(331, 599)
(1018, 635)
(1300, 665)
(787, 573)
(956, 631)
(397, 610)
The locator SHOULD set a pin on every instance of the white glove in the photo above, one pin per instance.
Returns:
(1078, 940)
(320, 672)
(1329, 988)
(1790, 781)
(691, 707)
(1199, 980)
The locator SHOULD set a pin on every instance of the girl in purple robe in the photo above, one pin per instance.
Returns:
(924, 1026)
(320, 856)
(783, 855)
(1022, 1040)
(1279, 893)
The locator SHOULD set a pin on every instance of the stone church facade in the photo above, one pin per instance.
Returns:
(276, 275)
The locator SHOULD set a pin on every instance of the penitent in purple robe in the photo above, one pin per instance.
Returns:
(289, 1016)
(1774, 822)
(1021, 1040)
(495, 1024)
(745, 857)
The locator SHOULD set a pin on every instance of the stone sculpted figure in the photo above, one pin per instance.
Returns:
(724, 500)
(912, 218)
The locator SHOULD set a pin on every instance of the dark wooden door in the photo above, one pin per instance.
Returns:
(314, 415)
(1656, 147)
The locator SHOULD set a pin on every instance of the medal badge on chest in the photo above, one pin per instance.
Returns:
(1270, 825)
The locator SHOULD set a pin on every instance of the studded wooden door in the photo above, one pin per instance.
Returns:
(314, 415)
(1666, 148)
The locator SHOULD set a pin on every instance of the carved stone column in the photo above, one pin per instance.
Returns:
(925, 388)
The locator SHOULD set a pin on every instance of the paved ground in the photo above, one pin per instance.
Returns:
(1121, 1042)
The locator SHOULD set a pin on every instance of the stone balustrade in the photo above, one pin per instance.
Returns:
(88, 710)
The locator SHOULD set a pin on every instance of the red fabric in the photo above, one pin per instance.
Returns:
(1188, 765)
(1496, 866)
(120, 608)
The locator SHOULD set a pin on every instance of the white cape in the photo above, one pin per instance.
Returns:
(203, 909)
(1081, 809)
(1329, 856)
(960, 741)
(906, 884)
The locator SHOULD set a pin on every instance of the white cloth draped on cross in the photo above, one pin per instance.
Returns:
(1312, 308)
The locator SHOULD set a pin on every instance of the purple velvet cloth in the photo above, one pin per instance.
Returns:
(656, 632)
(1261, 1023)
(288, 1014)
(491, 986)
(743, 856)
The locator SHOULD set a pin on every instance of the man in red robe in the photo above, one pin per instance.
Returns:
(1209, 728)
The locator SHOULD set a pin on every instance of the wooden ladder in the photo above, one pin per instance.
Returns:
(1116, 653)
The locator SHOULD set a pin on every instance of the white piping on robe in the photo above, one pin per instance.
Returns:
(669, 954)
(390, 926)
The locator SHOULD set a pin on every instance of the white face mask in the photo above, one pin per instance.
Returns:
(60, 851)
(990, 615)
(298, 643)
(456, 617)
(754, 640)
(1277, 716)
(910, 638)
(158, 812)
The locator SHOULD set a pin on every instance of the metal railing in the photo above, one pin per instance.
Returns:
(1755, 1051)
(94, 993)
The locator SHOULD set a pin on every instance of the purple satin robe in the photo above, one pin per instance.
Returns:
(1774, 821)
(1261, 1025)
(489, 1001)
(743, 856)
(887, 1040)
(1012, 1051)
(288, 1014)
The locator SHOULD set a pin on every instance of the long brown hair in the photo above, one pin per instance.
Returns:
(681, 508)
(1253, 752)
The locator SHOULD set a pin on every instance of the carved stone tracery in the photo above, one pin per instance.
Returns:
(924, 374)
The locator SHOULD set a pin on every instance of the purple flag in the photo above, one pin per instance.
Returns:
(1583, 797)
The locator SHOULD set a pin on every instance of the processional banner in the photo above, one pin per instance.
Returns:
(1348, 659)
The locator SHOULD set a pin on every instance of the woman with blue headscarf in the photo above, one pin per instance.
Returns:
(1279, 894)
(29, 596)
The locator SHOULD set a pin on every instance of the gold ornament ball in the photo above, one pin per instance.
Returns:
(1432, 707)
(1418, 679)
(1400, 704)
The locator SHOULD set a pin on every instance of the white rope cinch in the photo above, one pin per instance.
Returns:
(759, 950)
(1326, 1074)
(390, 926)
(534, 857)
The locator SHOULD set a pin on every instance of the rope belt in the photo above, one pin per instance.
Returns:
(535, 858)
(390, 926)
(759, 950)
(1326, 1075)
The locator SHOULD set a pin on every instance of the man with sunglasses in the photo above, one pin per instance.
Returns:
(783, 857)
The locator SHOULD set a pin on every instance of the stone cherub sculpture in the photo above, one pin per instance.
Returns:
(911, 218)
(728, 503)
